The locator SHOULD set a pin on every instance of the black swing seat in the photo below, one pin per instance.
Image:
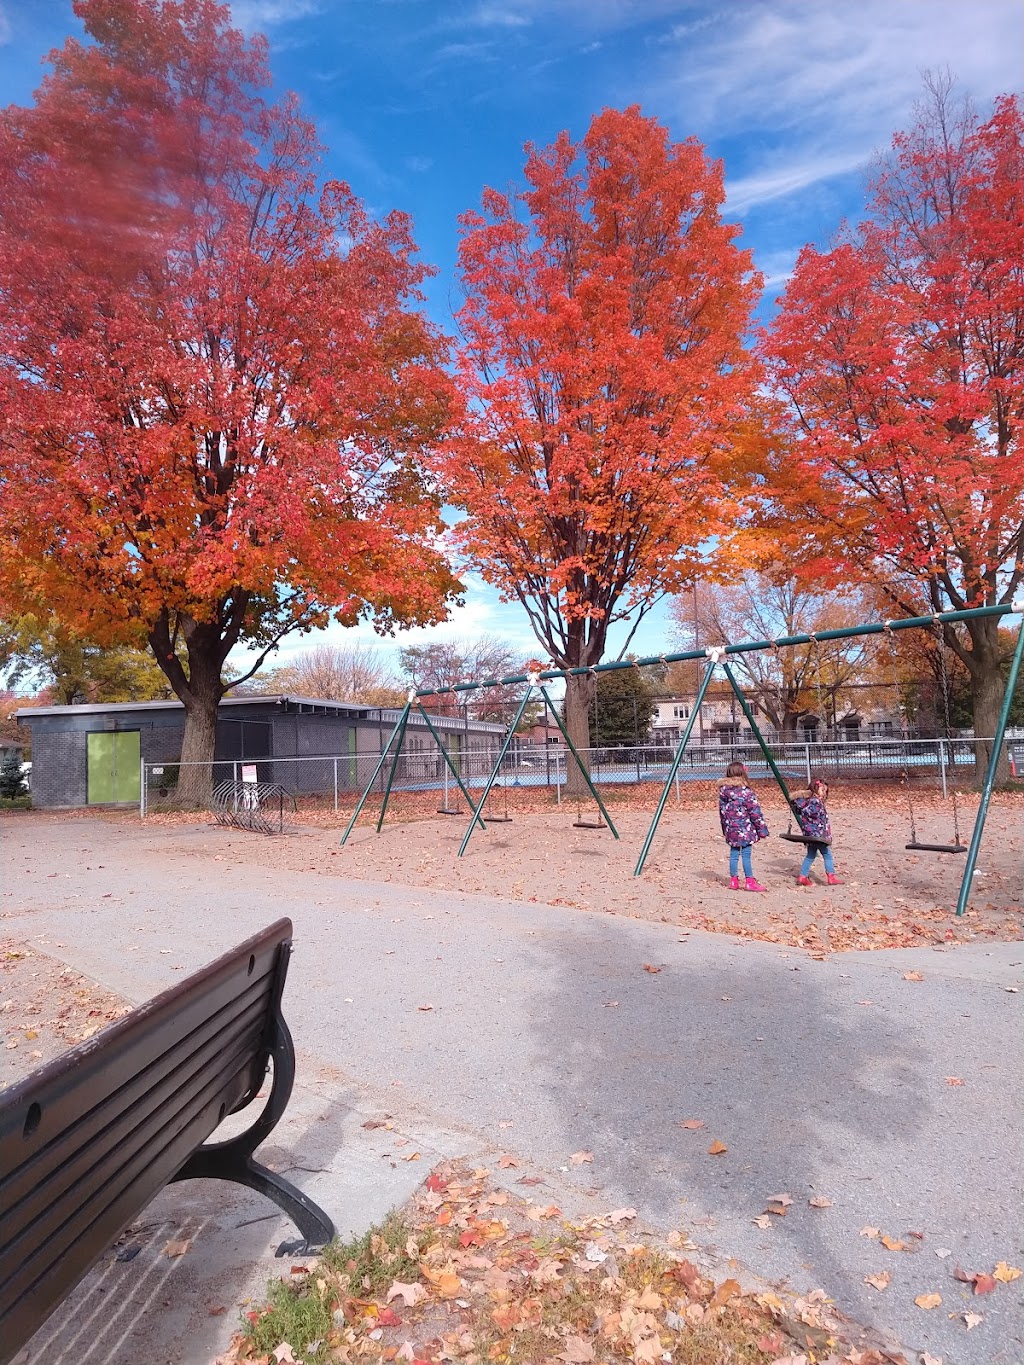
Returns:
(918, 847)
(448, 810)
(801, 838)
(589, 824)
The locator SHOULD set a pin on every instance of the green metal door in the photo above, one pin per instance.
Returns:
(114, 772)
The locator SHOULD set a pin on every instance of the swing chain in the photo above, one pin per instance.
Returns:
(947, 718)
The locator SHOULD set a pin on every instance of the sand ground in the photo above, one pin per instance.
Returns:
(890, 897)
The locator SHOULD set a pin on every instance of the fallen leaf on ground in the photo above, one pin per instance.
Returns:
(283, 1354)
(424, 1008)
(972, 1320)
(621, 1215)
(507, 1162)
(984, 1284)
(1006, 1273)
(928, 1300)
(410, 1294)
(893, 1243)
(868, 1232)
(762, 1221)
(820, 1202)
(692, 1123)
(954, 1080)
(927, 1359)
(578, 1158)
(528, 1179)
(649, 967)
(174, 1248)
(577, 1351)
(880, 1281)
(717, 1148)
(913, 976)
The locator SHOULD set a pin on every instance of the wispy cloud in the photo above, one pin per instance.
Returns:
(5, 27)
(828, 82)
(793, 174)
(256, 16)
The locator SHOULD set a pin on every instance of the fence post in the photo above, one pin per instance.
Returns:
(807, 761)
(234, 773)
(335, 786)
(142, 790)
(942, 765)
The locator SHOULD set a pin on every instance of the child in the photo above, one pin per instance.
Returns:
(742, 824)
(813, 817)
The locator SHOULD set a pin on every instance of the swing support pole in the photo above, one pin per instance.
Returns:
(579, 761)
(399, 725)
(494, 772)
(447, 758)
(993, 767)
(715, 657)
(760, 739)
(403, 723)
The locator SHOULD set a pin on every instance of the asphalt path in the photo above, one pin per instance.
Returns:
(898, 1101)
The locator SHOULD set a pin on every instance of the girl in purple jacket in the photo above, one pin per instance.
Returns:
(813, 816)
(742, 824)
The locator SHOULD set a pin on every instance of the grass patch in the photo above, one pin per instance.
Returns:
(386, 1253)
(15, 803)
(298, 1313)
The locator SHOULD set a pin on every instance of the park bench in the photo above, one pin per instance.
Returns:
(89, 1139)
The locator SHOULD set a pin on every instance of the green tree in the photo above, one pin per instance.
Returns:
(623, 709)
(46, 654)
(10, 775)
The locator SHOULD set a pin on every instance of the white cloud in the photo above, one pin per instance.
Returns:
(255, 16)
(786, 178)
(831, 81)
(776, 267)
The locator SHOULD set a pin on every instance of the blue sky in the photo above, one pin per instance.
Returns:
(423, 102)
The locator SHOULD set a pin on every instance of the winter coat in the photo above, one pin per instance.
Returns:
(740, 813)
(813, 818)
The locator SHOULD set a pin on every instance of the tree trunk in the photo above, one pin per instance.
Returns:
(987, 689)
(199, 691)
(579, 696)
(198, 744)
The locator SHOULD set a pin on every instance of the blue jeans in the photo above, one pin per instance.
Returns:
(812, 852)
(734, 861)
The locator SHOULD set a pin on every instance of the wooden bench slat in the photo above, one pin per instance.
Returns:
(113, 1116)
(190, 1113)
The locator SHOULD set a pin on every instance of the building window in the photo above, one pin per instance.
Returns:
(681, 712)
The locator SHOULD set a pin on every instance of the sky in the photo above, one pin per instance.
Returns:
(422, 103)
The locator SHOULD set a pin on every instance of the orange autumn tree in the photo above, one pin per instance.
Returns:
(603, 362)
(214, 385)
(899, 356)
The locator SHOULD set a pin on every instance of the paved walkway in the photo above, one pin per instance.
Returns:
(547, 1035)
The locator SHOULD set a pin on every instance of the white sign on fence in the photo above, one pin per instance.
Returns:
(250, 772)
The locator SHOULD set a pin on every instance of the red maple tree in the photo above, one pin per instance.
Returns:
(900, 357)
(604, 365)
(214, 386)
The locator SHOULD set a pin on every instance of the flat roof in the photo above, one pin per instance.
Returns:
(275, 699)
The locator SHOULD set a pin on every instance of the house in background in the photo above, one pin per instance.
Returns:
(92, 755)
(722, 722)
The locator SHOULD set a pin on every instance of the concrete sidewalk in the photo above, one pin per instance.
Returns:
(546, 1035)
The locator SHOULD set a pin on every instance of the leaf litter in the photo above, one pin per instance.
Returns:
(447, 1281)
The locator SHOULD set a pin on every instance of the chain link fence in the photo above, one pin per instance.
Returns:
(421, 783)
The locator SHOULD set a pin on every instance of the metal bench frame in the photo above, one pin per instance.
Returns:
(89, 1139)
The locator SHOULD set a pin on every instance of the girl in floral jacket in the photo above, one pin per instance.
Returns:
(813, 816)
(742, 824)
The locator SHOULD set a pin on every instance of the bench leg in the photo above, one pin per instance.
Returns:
(233, 1159)
(221, 1163)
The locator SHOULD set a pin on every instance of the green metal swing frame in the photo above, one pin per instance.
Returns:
(535, 680)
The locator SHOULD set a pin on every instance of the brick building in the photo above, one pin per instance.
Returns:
(93, 754)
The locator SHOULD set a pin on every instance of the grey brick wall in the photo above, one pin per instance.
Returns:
(60, 768)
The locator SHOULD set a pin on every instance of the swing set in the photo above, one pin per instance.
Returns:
(717, 657)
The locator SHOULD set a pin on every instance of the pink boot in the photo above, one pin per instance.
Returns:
(833, 880)
(734, 883)
(804, 881)
(754, 885)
